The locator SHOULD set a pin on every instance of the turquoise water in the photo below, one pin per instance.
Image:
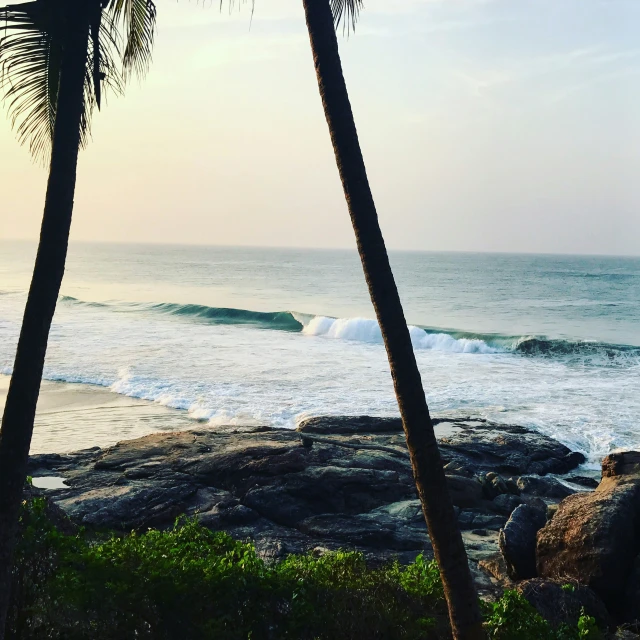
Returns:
(270, 335)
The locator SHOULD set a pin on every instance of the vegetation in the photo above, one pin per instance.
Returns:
(192, 583)
(322, 16)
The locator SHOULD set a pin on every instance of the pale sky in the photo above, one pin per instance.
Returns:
(486, 125)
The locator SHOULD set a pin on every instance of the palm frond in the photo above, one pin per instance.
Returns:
(346, 12)
(139, 20)
(32, 38)
(27, 52)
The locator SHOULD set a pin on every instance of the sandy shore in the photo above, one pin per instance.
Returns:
(76, 416)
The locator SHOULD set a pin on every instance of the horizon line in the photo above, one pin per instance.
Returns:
(325, 248)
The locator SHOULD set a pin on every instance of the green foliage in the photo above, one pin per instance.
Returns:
(514, 618)
(189, 582)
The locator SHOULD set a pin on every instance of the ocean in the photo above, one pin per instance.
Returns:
(268, 336)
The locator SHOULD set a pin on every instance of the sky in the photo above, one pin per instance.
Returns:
(486, 125)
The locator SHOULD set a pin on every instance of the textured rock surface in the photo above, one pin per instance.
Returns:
(563, 602)
(337, 482)
(594, 537)
(517, 541)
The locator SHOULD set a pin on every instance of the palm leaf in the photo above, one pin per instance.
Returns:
(347, 12)
(139, 19)
(31, 44)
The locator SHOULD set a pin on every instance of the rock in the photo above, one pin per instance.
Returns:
(563, 602)
(465, 492)
(494, 485)
(455, 468)
(594, 537)
(632, 593)
(544, 487)
(506, 503)
(497, 568)
(338, 482)
(583, 481)
(517, 541)
(507, 450)
(476, 519)
(52, 512)
(350, 425)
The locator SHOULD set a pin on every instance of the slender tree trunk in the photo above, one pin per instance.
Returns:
(20, 407)
(425, 457)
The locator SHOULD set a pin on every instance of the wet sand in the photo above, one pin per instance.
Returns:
(76, 416)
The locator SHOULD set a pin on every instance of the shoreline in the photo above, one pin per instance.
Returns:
(72, 416)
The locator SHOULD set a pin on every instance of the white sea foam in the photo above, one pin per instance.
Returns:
(365, 330)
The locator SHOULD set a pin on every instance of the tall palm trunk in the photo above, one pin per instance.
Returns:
(20, 407)
(423, 449)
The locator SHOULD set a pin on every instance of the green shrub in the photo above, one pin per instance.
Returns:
(514, 618)
(190, 583)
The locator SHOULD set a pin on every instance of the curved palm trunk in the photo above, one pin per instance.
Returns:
(423, 449)
(20, 408)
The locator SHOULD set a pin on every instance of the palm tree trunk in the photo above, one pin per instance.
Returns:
(20, 407)
(425, 457)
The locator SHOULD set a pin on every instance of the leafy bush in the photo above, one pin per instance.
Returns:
(514, 617)
(191, 583)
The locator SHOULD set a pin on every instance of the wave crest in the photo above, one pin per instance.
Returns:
(366, 330)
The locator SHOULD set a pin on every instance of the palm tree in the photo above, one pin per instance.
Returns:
(323, 16)
(56, 57)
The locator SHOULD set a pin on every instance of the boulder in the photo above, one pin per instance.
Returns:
(517, 541)
(350, 425)
(506, 503)
(594, 537)
(465, 492)
(544, 487)
(563, 602)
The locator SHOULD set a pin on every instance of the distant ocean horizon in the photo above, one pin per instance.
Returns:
(265, 335)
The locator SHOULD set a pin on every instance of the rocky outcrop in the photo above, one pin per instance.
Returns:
(337, 482)
(594, 538)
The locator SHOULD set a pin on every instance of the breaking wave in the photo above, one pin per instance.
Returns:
(366, 330)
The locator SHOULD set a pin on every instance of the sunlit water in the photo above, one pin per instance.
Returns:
(268, 336)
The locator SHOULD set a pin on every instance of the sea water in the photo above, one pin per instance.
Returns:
(268, 336)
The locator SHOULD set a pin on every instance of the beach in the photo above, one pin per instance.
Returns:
(78, 416)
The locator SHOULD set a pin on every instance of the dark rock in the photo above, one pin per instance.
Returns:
(632, 593)
(594, 537)
(455, 468)
(475, 519)
(517, 541)
(506, 503)
(335, 483)
(465, 492)
(544, 487)
(350, 425)
(583, 481)
(507, 450)
(493, 485)
(563, 602)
